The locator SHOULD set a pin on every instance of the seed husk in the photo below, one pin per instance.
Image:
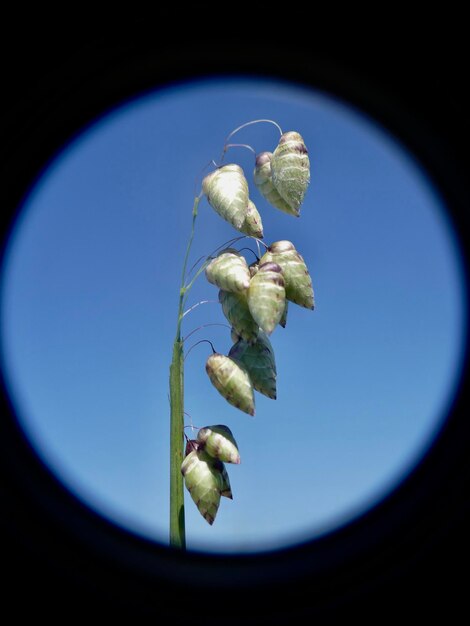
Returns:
(232, 381)
(236, 310)
(204, 482)
(267, 296)
(229, 271)
(263, 180)
(226, 190)
(259, 361)
(290, 169)
(219, 442)
(298, 283)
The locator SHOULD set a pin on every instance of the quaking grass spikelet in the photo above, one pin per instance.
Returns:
(259, 361)
(219, 442)
(204, 482)
(229, 271)
(232, 381)
(236, 310)
(267, 296)
(298, 283)
(290, 169)
(263, 179)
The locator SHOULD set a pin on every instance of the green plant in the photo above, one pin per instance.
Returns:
(254, 300)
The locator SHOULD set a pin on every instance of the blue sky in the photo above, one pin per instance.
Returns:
(89, 300)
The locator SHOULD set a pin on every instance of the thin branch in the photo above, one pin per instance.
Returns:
(237, 145)
(252, 251)
(196, 305)
(210, 257)
(197, 343)
(205, 326)
(236, 130)
(249, 124)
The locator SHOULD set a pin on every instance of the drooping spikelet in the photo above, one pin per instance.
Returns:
(290, 169)
(263, 180)
(219, 442)
(267, 296)
(232, 381)
(226, 190)
(236, 310)
(229, 271)
(259, 361)
(204, 482)
(298, 282)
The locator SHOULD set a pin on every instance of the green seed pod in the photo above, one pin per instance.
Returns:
(235, 309)
(263, 180)
(229, 271)
(259, 361)
(252, 225)
(290, 167)
(219, 442)
(267, 296)
(297, 278)
(227, 192)
(232, 381)
(204, 482)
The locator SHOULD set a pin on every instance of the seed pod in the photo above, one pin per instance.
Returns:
(267, 296)
(204, 482)
(235, 309)
(232, 381)
(229, 271)
(226, 189)
(259, 361)
(219, 442)
(263, 180)
(297, 278)
(290, 168)
(252, 225)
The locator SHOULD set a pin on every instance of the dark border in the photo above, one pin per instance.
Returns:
(60, 558)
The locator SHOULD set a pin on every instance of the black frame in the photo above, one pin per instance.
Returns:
(59, 555)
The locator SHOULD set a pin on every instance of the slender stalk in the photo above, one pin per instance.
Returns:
(177, 522)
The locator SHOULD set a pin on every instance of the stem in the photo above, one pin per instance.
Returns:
(177, 525)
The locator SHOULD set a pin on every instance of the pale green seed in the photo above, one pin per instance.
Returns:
(267, 296)
(219, 442)
(232, 381)
(260, 363)
(229, 271)
(204, 482)
(263, 179)
(226, 190)
(290, 169)
(236, 310)
(298, 283)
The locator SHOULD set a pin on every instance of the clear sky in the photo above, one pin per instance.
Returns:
(89, 302)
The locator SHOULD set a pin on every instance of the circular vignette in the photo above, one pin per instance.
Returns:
(372, 559)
